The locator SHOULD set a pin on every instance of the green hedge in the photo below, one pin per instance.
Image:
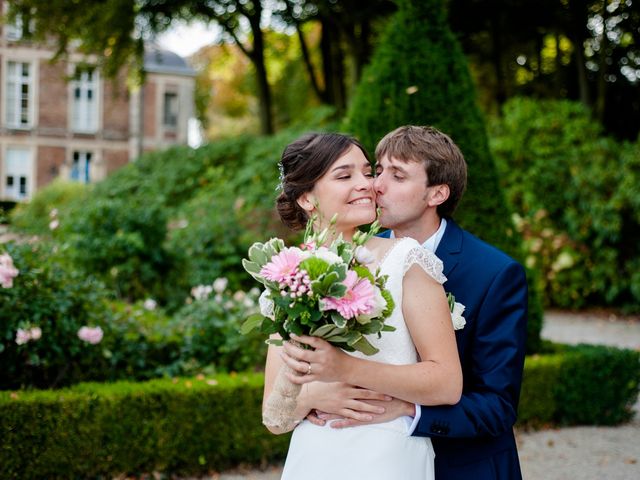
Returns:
(194, 426)
(101, 430)
(579, 385)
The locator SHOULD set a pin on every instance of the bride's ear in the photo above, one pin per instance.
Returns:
(307, 202)
(438, 194)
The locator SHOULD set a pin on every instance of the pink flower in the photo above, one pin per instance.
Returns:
(35, 333)
(310, 245)
(92, 335)
(7, 271)
(359, 299)
(22, 336)
(282, 266)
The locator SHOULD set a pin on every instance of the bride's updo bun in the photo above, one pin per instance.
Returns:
(303, 163)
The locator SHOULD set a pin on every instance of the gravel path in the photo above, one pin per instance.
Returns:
(575, 453)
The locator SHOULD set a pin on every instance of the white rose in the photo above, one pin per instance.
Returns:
(201, 292)
(364, 256)
(456, 316)
(220, 284)
(327, 255)
(150, 304)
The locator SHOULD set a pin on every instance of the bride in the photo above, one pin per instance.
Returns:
(325, 174)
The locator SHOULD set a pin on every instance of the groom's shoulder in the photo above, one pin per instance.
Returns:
(475, 246)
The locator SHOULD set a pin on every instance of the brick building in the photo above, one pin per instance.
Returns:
(65, 120)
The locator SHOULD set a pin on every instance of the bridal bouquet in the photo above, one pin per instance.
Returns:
(320, 290)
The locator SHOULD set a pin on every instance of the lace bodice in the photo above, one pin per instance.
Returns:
(397, 347)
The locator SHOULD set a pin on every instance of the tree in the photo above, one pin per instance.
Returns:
(418, 75)
(586, 50)
(115, 31)
(347, 32)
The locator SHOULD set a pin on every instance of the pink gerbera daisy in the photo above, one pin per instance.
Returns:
(282, 266)
(359, 299)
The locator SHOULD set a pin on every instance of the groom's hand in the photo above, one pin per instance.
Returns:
(394, 408)
(341, 400)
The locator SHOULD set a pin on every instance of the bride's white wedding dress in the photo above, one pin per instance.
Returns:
(373, 452)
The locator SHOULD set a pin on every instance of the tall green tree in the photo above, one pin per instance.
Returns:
(418, 75)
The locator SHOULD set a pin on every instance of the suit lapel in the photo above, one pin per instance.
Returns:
(450, 246)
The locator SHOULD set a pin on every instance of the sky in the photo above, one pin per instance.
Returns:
(186, 39)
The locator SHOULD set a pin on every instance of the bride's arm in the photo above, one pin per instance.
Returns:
(435, 380)
(273, 364)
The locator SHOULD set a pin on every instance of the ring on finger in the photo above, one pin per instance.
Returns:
(308, 369)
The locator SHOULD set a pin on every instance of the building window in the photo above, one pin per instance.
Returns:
(170, 109)
(18, 171)
(81, 167)
(15, 30)
(19, 94)
(85, 101)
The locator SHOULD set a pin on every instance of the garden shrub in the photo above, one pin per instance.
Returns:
(56, 302)
(585, 384)
(48, 296)
(191, 426)
(121, 241)
(39, 214)
(575, 192)
(186, 426)
(209, 329)
(418, 75)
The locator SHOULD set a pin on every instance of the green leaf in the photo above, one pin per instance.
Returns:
(251, 323)
(322, 330)
(364, 272)
(339, 320)
(337, 290)
(257, 255)
(363, 345)
(251, 267)
(314, 267)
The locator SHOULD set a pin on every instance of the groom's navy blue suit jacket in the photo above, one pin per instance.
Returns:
(474, 438)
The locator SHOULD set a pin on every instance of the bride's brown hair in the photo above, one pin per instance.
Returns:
(303, 163)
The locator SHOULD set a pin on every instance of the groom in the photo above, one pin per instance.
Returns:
(421, 176)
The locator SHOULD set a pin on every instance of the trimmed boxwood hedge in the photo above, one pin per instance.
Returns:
(585, 384)
(194, 426)
(95, 430)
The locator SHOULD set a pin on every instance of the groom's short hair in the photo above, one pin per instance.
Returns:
(442, 159)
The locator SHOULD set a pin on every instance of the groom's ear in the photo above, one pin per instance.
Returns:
(307, 202)
(438, 194)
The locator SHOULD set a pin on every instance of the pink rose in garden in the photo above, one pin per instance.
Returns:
(92, 335)
(359, 299)
(36, 333)
(7, 271)
(26, 335)
(282, 266)
(22, 336)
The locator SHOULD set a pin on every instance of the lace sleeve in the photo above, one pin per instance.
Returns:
(266, 305)
(429, 262)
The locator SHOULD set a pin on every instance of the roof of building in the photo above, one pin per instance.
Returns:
(159, 60)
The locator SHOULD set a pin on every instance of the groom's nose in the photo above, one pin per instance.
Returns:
(378, 185)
